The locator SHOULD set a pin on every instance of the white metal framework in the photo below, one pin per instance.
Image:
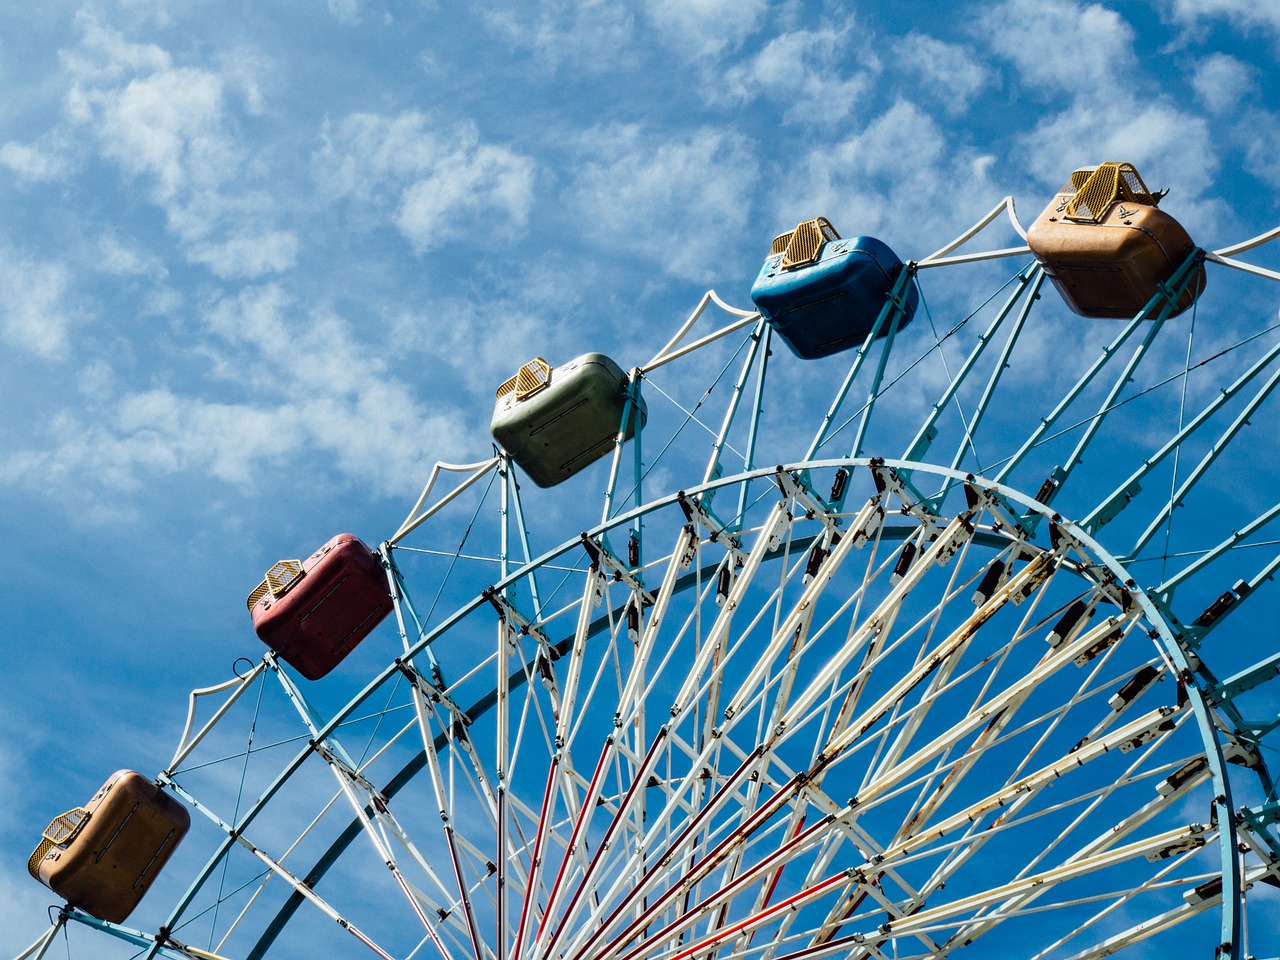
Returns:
(936, 685)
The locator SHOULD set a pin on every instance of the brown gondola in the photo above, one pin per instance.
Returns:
(1108, 247)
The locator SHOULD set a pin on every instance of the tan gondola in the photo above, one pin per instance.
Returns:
(1108, 247)
(103, 857)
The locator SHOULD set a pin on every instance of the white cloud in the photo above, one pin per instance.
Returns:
(484, 179)
(593, 35)
(248, 255)
(802, 69)
(1082, 56)
(705, 27)
(1161, 141)
(1061, 46)
(163, 432)
(949, 72)
(35, 163)
(1262, 148)
(96, 381)
(346, 12)
(494, 335)
(117, 257)
(898, 178)
(34, 313)
(434, 184)
(244, 72)
(104, 56)
(1221, 82)
(334, 394)
(313, 393)
(172, 128)
(157, 10)
(314, 352)
(673, 201)
(366, 151)
(1242, 13)
(166, 125)
(151, 435)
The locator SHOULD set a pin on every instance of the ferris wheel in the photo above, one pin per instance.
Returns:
(956, 668)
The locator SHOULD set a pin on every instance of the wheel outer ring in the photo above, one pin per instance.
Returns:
(1223, 808)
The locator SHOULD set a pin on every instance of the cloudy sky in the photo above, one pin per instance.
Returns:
(262, 264)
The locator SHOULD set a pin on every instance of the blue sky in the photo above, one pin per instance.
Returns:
(261, 265)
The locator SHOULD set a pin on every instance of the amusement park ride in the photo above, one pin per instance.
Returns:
(976, 665)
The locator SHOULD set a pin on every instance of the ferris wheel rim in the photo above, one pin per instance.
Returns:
(1165, 642)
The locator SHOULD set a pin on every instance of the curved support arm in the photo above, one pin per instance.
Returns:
(1241, 265)
(38, 949)
(669, 351)
(939, 257)
(1224, 255)
(416, 519)
(188, 743)
(1257, 241)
